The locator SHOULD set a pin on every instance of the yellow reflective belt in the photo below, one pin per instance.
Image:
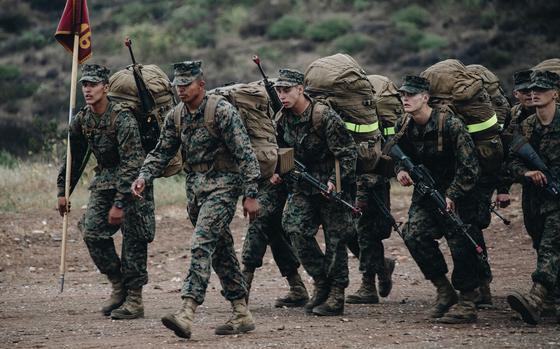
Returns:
(362, 128)
(481, 126)
(389, 131)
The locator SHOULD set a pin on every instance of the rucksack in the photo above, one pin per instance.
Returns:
(252, 103)
(122, 88)
(388, 103)
(552, 65)
(497, 95)
(453, 86)
(339, 82)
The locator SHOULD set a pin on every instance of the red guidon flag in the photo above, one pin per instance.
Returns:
(74, 20)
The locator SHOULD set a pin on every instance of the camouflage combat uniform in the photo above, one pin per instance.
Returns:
(266, 230)
(317, 146)
(114, 140)
(456, 172)
(541, 212)
(220, 166)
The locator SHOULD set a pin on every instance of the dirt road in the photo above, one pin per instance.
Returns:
(34, 315)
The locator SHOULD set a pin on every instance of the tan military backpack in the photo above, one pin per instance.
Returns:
(252, 103)
(552, 65)
(387, 103)
(339, 82)
(453, 86)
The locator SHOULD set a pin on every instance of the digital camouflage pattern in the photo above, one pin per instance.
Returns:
(186, 72)
(414, 84)
(114, 140)
(212, 194)
(372, 227)
(289, 78)
(307, 209)
(94, 73)
(456, 171)
(266, 230)
(541, 212)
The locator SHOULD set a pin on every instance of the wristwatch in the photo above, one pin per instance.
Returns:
(119, 204)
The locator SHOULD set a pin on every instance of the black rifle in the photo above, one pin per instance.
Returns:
(526, 152)
(300, 173)
(147, 122)
(387, 215)
(425, 184)
(275, 102)
(494, 211)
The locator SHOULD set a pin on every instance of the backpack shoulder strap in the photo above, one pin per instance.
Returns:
(317, 111)
(441, 120)
(177, 110)
(395, 139)
(210, 112)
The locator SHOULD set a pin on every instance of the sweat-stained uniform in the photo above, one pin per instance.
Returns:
(455, 170)
(114, 140)
(317, 145)
(220, 166)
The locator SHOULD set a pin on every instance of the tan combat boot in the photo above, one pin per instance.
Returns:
(529, 305)
(446, 297)
(334, 305)
(484, 299)
(240, 322)
(464, 312)
(297, 296)
(320, 294)
(132, 307)
(248, 275)
(118, 295)
(366, 294)
(181, 321)
(385, 279)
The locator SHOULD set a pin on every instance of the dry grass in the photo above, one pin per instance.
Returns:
(32, 185)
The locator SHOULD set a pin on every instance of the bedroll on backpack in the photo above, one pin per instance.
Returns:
(122, 88)
(498, 97)
(455, 87)
(252, 103)
(552, 65)
(341, 83)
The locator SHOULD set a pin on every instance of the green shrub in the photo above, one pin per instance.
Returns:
(286, 27)
(9, 72)
(431, 41)
(14, 22)
(415, 14)
(231, 20)
(329, 29)
(352, 43)
(7, 160)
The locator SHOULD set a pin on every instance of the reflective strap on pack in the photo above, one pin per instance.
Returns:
(361, 128)
(481, 126)
(389, 131)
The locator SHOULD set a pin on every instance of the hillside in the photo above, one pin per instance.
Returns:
(392, 38)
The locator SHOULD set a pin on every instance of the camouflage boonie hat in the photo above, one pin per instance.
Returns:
(186, 72)
(545, 79)
(289, 78)
(522, 80)
(94, 73)
(414, 84)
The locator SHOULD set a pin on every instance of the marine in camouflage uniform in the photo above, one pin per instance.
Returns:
(455, 170)
(267, 230)
(541, 210)
(318, 136)
(524, 107)
(220, 165)
(113, 137)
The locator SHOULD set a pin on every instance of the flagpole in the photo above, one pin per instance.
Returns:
(72, 107)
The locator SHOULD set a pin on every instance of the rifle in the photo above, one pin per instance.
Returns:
(494, 211)
(300, 173)
(274, 99)
(528, 154)
(147, 103)
(425, 184)
(388, 216)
